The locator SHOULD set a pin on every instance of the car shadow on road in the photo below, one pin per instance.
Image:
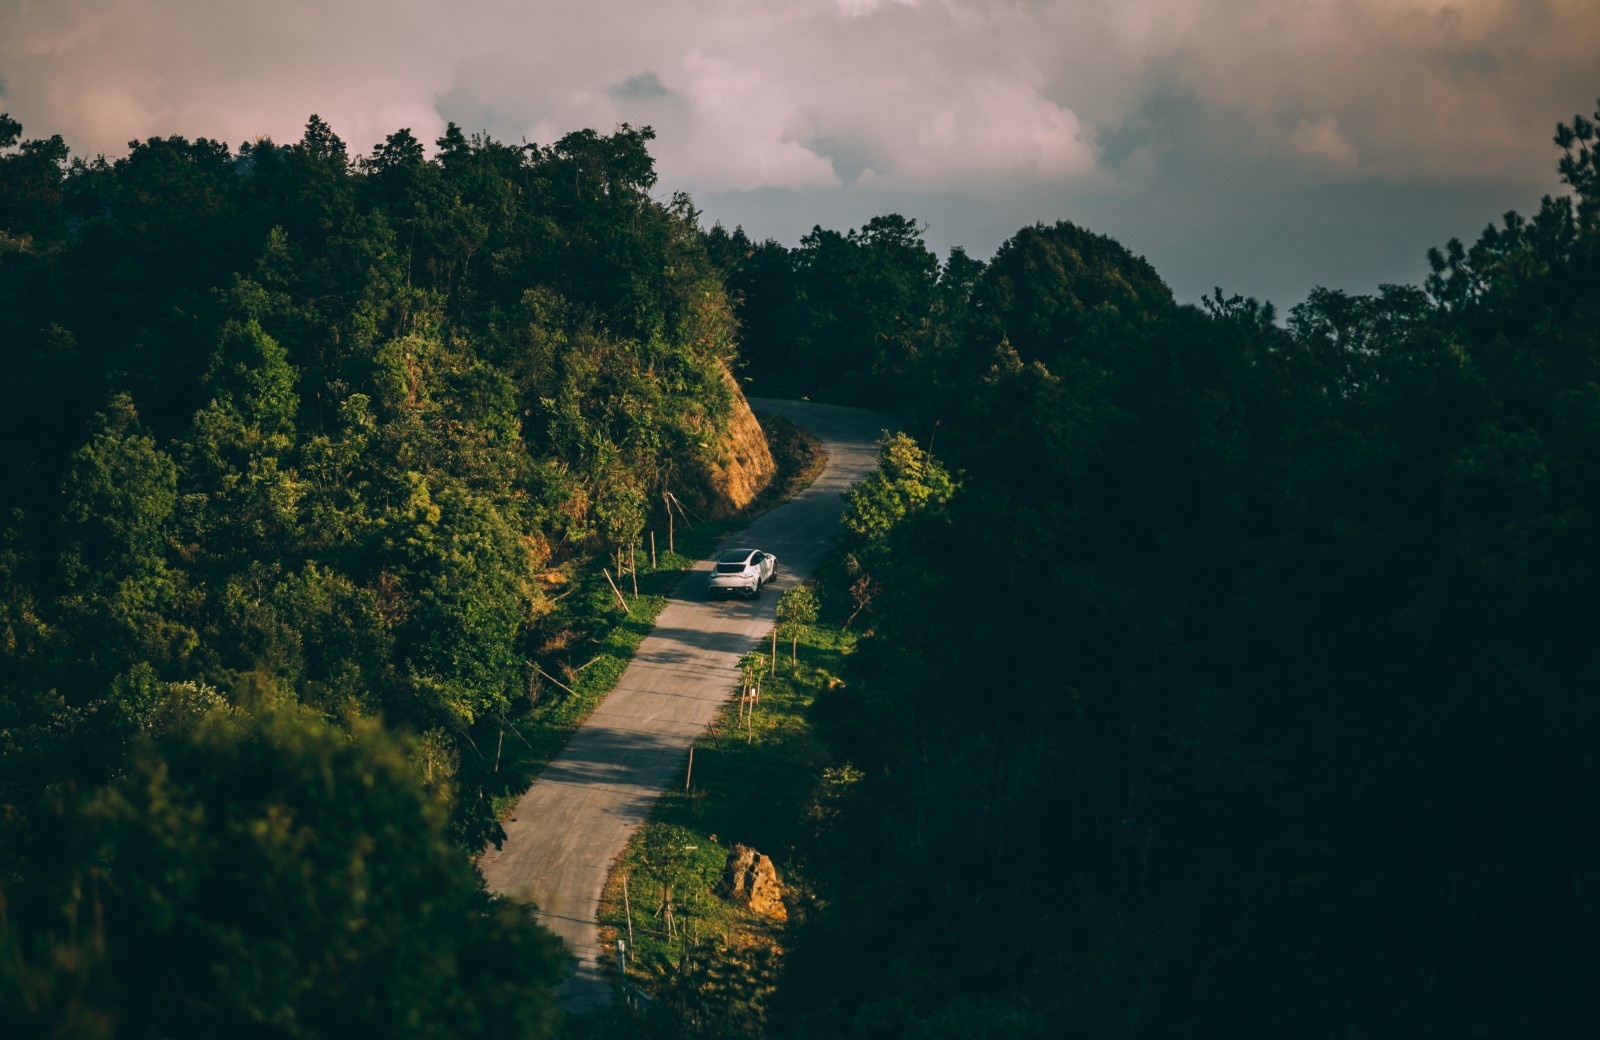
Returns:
(674, 644)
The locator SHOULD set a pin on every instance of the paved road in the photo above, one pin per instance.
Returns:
(577, 817)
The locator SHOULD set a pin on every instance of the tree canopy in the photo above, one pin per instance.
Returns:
(1275, 717)
(262, 873)
(331, 425)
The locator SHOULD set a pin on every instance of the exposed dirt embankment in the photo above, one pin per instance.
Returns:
(739, 467)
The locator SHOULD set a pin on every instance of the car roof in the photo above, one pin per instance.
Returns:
(735, 555)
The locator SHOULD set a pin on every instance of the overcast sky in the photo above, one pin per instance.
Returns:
(1264, 146)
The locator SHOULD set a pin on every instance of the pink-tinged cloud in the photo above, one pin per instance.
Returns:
(1201, 110)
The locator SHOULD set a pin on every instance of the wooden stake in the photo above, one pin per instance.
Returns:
(683, 511)
(518, 733)
(620, 600)
(633, 569)
(689, 774)
(627, 906)
(553, 679)
(774, 650)
(652, 549)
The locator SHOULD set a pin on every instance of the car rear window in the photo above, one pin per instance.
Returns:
(730, 568)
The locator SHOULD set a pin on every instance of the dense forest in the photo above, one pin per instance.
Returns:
(1279, 716)
(1227, 676)
(302, 448)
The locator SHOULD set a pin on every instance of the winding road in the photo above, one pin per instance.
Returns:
(575, 820)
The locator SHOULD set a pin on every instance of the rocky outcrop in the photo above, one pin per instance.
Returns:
(751, 879)
(738, 467)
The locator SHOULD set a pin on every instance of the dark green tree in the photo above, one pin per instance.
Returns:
(31, 181)
(121, 606)
(1060, 288)
(264, 874)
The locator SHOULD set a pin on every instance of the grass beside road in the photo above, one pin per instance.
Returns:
(760, 777)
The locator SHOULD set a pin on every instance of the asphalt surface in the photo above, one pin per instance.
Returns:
(575, 820)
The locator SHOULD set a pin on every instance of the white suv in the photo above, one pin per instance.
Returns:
(741, 570)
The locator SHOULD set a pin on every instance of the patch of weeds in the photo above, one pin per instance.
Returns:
(760, 777)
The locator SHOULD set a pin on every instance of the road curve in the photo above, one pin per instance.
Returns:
(574, 821)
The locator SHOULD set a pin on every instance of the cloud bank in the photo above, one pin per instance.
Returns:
(976, 100)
